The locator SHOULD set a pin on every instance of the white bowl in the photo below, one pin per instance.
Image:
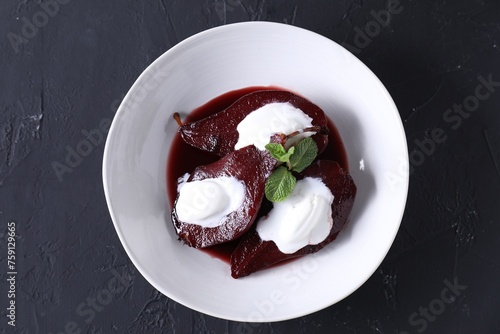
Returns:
(232, 57)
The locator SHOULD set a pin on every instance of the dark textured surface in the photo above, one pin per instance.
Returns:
(70, 74)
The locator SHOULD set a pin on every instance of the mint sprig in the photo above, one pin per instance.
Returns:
(281, 182)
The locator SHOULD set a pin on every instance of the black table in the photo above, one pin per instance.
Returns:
(65, 66)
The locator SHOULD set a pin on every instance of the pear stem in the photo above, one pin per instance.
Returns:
(177, 118)
(316, 128)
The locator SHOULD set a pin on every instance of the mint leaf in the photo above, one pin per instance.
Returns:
(280, 184)
(306, 151)
(279, 153)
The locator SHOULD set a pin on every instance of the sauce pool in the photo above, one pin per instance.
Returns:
(184, 158)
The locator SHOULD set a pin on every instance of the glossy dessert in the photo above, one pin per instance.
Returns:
(250, 168)
(219, 199)
(253, 253)
(218, 134)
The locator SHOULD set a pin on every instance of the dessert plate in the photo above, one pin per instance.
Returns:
(232, 57)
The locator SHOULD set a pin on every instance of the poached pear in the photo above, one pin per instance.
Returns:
(253, 253)
(249, 166)
(218, 133)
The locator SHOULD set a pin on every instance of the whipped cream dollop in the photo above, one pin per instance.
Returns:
(206, 202)
(304, 218)
(279, 117)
